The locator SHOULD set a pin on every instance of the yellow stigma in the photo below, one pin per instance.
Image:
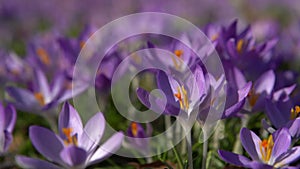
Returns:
(295, 112)
(253, 97)
(134, 129)
(43, 55)
(182, 97)
(69, 138)
(239, 45)
(266, 147)
(40, 98)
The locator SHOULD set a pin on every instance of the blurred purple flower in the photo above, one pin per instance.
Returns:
(14, 69)
(8, 117)
(74, 146)
(44, 95)
(241, 49)
(268, 153)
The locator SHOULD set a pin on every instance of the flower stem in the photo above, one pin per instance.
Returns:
(205, 149)
(51, 120)
(237, 145)
(189, 148)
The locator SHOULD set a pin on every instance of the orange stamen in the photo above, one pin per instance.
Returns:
(43, 55)
(295, 112)
(266, 147)
(215, 37)
(69, 139)
(134, 128)
(178, 53)
(239, 45)
(40, 98)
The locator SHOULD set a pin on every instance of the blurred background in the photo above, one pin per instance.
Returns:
(19, 19)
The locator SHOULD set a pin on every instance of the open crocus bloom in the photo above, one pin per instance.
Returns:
(8, 117)
(268, 153)
(182, 95)
(75, 146)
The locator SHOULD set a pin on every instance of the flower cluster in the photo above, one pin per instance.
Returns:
(257, 94)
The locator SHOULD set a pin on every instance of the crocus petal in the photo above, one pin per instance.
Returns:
(23, 99)
(8, 138)
(277, 118)
(42, 85)
(282, 143)
(250, 142)
(74, 156)
(69, 118)
(265, 83)
(143, 96)
(283, 93)
(240, 79)
(290, 156)
(163, 83)
(93, 131)
(234, 109)
(108, 148)
(244, 91)
(259, 165)
(294, 128)
(46, 142)
(10, 118)
(2, 117)
(33, 163)
(233, 158)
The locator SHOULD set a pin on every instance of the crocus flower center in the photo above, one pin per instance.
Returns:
(40, 98)
(182, 97)
(178, 53)
(295, 112)
(15, 72)
(253, 97)
(82, 43)
(266, 147)
(215, 37)
(70, 140)
(177, 63)
(43, 55)
(239, 45)
(134, 129)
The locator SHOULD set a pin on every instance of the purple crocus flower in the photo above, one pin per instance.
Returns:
(16, 69)
(43, 95)
(265, 154)
(237, 92)
(138, 137)
(262, 89)
(71, 47)
(182, 95)
(283, 114)
(44, 53)
(75, 146)
(8, 117)
(241, 49)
